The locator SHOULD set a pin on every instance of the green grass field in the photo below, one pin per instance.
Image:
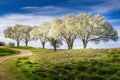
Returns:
(89, 64)
(7, 51)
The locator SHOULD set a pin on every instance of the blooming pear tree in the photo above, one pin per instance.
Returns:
(48, 32)
(38, 34)
(55, 33)
(33, 33)
(84, 26)
(94, 29)
(69, 30)
(43, 32)
(26, 33)
(14, 33)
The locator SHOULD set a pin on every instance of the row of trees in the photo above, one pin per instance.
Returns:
(18, 33)
(84, 26)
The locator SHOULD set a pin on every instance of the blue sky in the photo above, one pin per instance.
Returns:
(34, 12)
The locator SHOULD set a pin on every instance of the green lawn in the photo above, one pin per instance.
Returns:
(7, 51)
(89, 64)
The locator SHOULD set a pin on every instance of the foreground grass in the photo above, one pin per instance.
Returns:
(7, 51)
(90, 64)
(101, 64)
(9, 71)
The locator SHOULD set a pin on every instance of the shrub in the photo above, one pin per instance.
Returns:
(2, 43)
(11, 44)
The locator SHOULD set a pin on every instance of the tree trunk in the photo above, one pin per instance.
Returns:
(84, 43)
(54, 42)
(54, 45)
(43, 45)
(26, 43)
(70, 45)
(55, 49)
(84, 46)
(18, 42)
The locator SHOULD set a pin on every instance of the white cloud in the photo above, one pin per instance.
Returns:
(115, 22)
(107, 6)
(12, 19)
(102, 6)
(29, 8)
(45, 10)
(51, 8)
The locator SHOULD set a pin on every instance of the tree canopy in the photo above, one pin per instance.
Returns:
(85, 26)
(18, 33)
(94, 29)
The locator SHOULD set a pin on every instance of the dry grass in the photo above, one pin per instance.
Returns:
(69, 56)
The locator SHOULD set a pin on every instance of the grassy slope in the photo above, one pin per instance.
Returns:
(67, 65)
(72, 65)
(7, 51)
